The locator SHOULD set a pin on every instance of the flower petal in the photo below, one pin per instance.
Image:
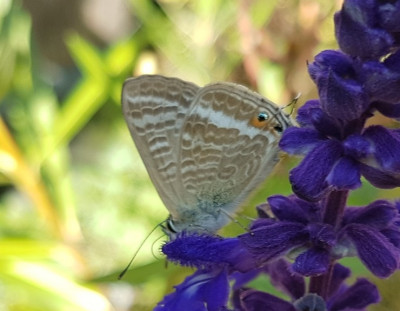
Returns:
(308, 179)
(388, 109)
(345, 174)
(202, 291)
(393, 235)
(242, 278)
(379, 214)
(386, 147)
(340, 273)
(312, 262)
(329, 60)
(208, 251)
(283, 279)
(297, 140)
(321, 235)
(253, 300)
(324, 123)
(357, 146)
(357, 297)
(269, 242)
(374, 249)
(379, 178)
(355, 20)
(382, 82)
(286, 209)
(343, 98)
(303, 114)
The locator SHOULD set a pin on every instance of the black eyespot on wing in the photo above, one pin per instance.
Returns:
(278, 128)
(262, 116)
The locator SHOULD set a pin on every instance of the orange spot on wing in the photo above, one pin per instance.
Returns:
(257, 123)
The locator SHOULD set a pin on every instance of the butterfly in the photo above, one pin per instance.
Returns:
(205, 148)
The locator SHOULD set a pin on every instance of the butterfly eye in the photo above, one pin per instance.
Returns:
(170, 228)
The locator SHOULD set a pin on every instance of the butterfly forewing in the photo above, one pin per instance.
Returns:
(223, 154)
(154, 108)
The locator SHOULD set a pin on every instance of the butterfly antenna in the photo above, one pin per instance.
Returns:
(293, 103)
(121, 275)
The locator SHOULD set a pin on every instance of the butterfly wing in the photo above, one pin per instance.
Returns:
(229, 145)
(154, 108)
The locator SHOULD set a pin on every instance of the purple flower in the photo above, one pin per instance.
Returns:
(366, 28)
(338, 153)
(205, 290)
(205, 252)
(341, 297)
(382, 82)
(372, 232)
(340, 88)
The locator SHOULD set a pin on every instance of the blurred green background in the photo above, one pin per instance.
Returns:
(75, 199)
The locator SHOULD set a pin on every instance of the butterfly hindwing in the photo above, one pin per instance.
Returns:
(154, 108)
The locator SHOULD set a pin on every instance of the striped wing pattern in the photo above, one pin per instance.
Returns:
(205, 148)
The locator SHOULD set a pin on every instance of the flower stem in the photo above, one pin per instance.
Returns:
(334, 207)
(333, 213)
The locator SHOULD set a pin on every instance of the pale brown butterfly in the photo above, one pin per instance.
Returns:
(205, 148)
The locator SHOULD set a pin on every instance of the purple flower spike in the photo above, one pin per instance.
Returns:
(304, 235)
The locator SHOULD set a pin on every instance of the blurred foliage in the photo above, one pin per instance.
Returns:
(75, 199)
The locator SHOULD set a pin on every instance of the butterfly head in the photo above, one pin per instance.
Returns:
(199, 223)
(169, 227)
